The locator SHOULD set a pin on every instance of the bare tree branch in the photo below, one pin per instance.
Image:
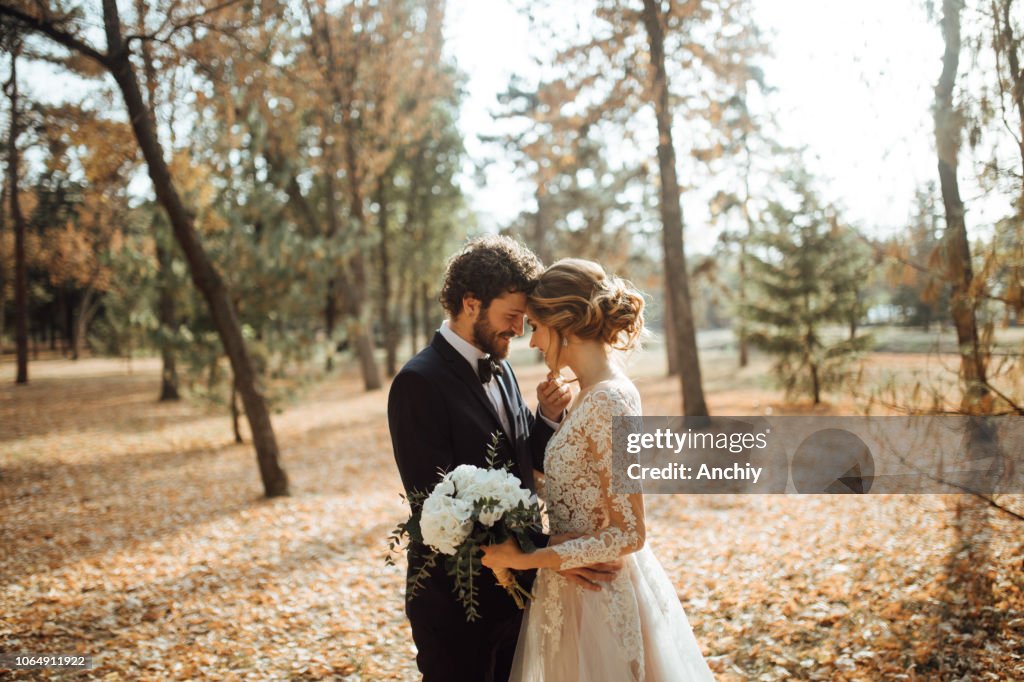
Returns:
(52, 30)
(1019, 409)
(192, 21)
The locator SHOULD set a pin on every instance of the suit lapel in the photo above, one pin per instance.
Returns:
(506, 399)
(510, 388)
(465, 373)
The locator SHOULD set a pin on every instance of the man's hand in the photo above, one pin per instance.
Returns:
(591, 577)
(588, 577)
(554, 396)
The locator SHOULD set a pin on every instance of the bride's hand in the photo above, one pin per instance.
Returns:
(506, 555)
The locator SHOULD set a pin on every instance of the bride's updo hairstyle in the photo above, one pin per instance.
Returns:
(576, 297)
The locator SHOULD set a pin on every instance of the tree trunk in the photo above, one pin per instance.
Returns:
(742, 331)
(305, 214)
(386, 314)
(234, 414)
(540, 224)
(168, 375)
(165, 278)
(349, 291)
(676, 276)
(414, 319)
(86, 309)
(330, 316)
(976, 397)
(426, 303)
(353, 289)
(20, 267)
(815, 384)
(3, 272)
(405, 276)
(415, 229)
(358, 336)
(3, 306)
(128, 354)
(331, 295)
(67, 323)
(359, 331)
(970, 559)
(1006, 45)
(168, 322)
(361, 335)
(671, 340)
(205, 276)
(51, 325)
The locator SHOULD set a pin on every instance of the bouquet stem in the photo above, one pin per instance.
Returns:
(505, 578)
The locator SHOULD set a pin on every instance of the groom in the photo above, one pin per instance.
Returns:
(442, 409)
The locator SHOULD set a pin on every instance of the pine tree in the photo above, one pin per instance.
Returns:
(803, 277)
(914, 273)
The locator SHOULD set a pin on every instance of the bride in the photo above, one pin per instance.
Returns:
(634, 628)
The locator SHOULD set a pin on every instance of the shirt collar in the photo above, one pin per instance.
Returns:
(467, 350)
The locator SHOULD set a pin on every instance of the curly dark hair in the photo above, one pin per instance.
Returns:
(488, 267)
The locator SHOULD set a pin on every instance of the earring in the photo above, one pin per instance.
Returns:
(565, 342)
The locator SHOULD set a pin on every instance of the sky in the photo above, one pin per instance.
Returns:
(854, 85)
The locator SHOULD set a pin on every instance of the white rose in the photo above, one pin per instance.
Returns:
(445, 521)
(471, 483)
(490, 515)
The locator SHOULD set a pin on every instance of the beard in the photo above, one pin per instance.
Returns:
(488, 340)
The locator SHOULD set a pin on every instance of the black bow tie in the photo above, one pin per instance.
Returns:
(487, 368)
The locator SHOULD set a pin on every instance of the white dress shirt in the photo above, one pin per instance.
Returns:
(491, 388)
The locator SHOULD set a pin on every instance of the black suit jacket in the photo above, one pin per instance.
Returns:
(440, 417)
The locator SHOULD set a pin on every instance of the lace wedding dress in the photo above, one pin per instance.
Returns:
(634, 628)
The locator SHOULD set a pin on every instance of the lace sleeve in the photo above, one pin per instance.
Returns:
(624, 531)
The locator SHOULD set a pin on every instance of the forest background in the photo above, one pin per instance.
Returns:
(223, 226)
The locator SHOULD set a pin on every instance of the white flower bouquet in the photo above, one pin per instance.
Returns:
(469, 508)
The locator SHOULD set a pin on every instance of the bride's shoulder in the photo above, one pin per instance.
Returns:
(618, 390)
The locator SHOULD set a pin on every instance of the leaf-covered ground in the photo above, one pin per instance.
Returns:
(135, 532)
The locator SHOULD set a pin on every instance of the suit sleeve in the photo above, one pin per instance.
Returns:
(420, 431)
(540, 434)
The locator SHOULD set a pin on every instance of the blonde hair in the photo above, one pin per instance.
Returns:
(576, 297)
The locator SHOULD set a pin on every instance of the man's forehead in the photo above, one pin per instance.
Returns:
(512, 302)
